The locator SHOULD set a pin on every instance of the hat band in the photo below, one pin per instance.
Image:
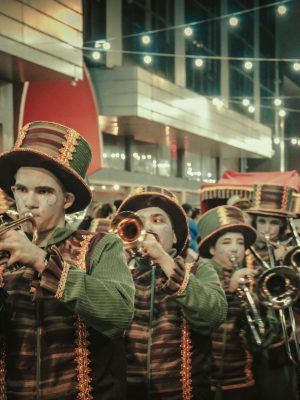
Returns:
(60, 144)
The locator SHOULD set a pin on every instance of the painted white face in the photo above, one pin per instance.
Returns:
(38, 191)
(268, 226)
(157, 220)
(228, 245)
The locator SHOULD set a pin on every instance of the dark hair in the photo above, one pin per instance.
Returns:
(106, 210)
(117, 203)
(187, 207)
(195, 213)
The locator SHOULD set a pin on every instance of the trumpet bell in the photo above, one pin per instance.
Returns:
(130, 228)
(278, 287)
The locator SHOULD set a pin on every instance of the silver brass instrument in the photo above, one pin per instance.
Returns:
(253, 317)
(278, 287)
(293, 256)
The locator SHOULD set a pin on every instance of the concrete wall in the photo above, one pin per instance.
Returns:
(132, 91)
(43, 32)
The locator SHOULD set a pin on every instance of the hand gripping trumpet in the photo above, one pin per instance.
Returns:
(253, 317)
(7, 226)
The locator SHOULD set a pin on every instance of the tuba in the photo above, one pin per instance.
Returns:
(253, 318)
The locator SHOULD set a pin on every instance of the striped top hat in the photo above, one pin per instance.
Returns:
(271, 200)
(296, 204)
(220, 220)
(56, 148)
(152, 196)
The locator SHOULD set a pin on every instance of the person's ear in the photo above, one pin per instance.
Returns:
(212, 251)
(174, 238)
(69, 200)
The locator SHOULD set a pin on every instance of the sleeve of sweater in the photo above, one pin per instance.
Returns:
(104, 298)
(203, 300)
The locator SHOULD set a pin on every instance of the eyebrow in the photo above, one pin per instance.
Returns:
(20, 186)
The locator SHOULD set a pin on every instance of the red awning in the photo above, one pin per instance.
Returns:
(288, 178)
(241, 183)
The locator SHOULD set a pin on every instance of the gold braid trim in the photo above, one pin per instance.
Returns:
(81, 351)
(69, 146)
(84, 245)
(21, 135)
(222, 215)
(62, 283)
(2, 371)
(181, 290)
(284, 199)
(82, 360)
(258, 196)
(186, 363)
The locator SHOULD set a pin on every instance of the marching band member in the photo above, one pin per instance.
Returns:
(70, 295)
(225, 236)
(176, 306)
(271, 206)
(275, 374)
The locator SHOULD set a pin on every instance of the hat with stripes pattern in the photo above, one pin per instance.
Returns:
(56, 148)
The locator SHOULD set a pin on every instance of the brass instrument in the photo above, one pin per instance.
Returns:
(253, 317)
(293, 256)
(7, 226)
(130, 228)
(278, 287)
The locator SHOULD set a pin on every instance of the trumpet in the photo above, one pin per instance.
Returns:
(7, 226)
(131, 230)
(253, 317)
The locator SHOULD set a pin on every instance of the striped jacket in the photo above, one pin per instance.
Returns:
(64, 335)
(168, 343)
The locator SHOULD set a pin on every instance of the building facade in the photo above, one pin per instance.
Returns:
(170, 79)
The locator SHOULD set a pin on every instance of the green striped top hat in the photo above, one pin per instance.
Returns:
(54, 147)
(220, 220)
(273, 200)
(152, 196)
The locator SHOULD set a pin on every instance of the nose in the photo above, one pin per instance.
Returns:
(31, 200)
(234, 247)
(148, 225)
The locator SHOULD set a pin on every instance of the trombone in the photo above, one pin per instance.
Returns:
(293, 256)
(253, 317)
(278, 287)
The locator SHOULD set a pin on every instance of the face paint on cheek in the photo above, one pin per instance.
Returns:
(51, 199)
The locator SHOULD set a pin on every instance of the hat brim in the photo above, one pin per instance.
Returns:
(12, 160)
(175, 212)
(247, 231)
(270, 213)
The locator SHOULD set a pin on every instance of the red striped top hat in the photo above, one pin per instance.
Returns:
(56, 148)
